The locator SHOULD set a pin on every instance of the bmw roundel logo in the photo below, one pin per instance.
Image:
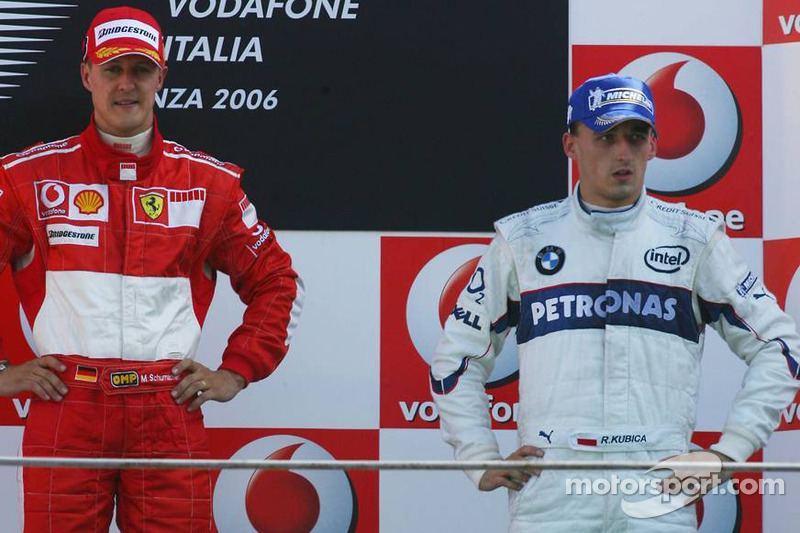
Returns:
(549, 260)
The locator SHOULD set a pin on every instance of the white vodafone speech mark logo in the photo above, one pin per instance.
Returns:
(423, 305)
(57, 189)
(302, 501)
(698, 121)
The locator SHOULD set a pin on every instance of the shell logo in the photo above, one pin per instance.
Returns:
(89, 202)
(698, 118)
(284, 501)
(433, 296)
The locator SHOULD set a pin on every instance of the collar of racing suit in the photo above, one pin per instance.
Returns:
(606, 222)
(109, 160)
(138, 145)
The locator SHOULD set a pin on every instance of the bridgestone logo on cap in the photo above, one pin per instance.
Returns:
(126, 28)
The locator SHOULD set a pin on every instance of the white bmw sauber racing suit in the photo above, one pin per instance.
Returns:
(610, 311)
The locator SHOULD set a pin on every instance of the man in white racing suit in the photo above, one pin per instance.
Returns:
(610, 291)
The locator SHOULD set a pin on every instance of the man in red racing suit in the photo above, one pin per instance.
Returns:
(114, 237)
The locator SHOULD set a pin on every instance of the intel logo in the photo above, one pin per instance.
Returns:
(666, 259)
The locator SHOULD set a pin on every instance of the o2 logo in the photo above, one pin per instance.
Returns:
(433, 297)
(698, 119)
(284, 501)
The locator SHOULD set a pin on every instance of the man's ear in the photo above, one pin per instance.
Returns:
(568, 141)
(162, 75)
(85, 76)
(653, 146)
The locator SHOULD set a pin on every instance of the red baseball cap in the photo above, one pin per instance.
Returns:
(120, 31)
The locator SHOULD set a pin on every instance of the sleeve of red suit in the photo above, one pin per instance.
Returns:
(16, 239)
(15, 235)
(261, 273)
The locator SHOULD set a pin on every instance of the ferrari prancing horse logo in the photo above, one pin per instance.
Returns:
(153, 204)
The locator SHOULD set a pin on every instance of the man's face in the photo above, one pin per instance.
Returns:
(123, 93)
(611, 163)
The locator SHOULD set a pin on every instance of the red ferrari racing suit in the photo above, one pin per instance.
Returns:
(114, 259)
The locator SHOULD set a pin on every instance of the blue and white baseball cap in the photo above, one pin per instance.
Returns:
(603, 102)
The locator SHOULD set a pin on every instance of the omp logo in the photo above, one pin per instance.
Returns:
(249, 501)
(700, 131)
(666, 259)
(32, 24)
(124, 379)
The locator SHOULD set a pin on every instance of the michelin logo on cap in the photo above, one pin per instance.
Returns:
(621, 95)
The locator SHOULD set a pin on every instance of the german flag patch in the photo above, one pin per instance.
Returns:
(86, 373)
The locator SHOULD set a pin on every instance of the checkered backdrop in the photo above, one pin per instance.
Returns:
(354, 384)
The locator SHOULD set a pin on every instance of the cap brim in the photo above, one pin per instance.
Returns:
(610, 120)
(101, 61)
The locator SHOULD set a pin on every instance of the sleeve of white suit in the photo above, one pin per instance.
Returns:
(474, 334)
(738, 306)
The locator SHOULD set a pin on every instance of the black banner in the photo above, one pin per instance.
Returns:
(346, 114)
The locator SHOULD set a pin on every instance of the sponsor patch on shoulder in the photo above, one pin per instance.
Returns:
(259, 236)
(249, 215)
(746, 285)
